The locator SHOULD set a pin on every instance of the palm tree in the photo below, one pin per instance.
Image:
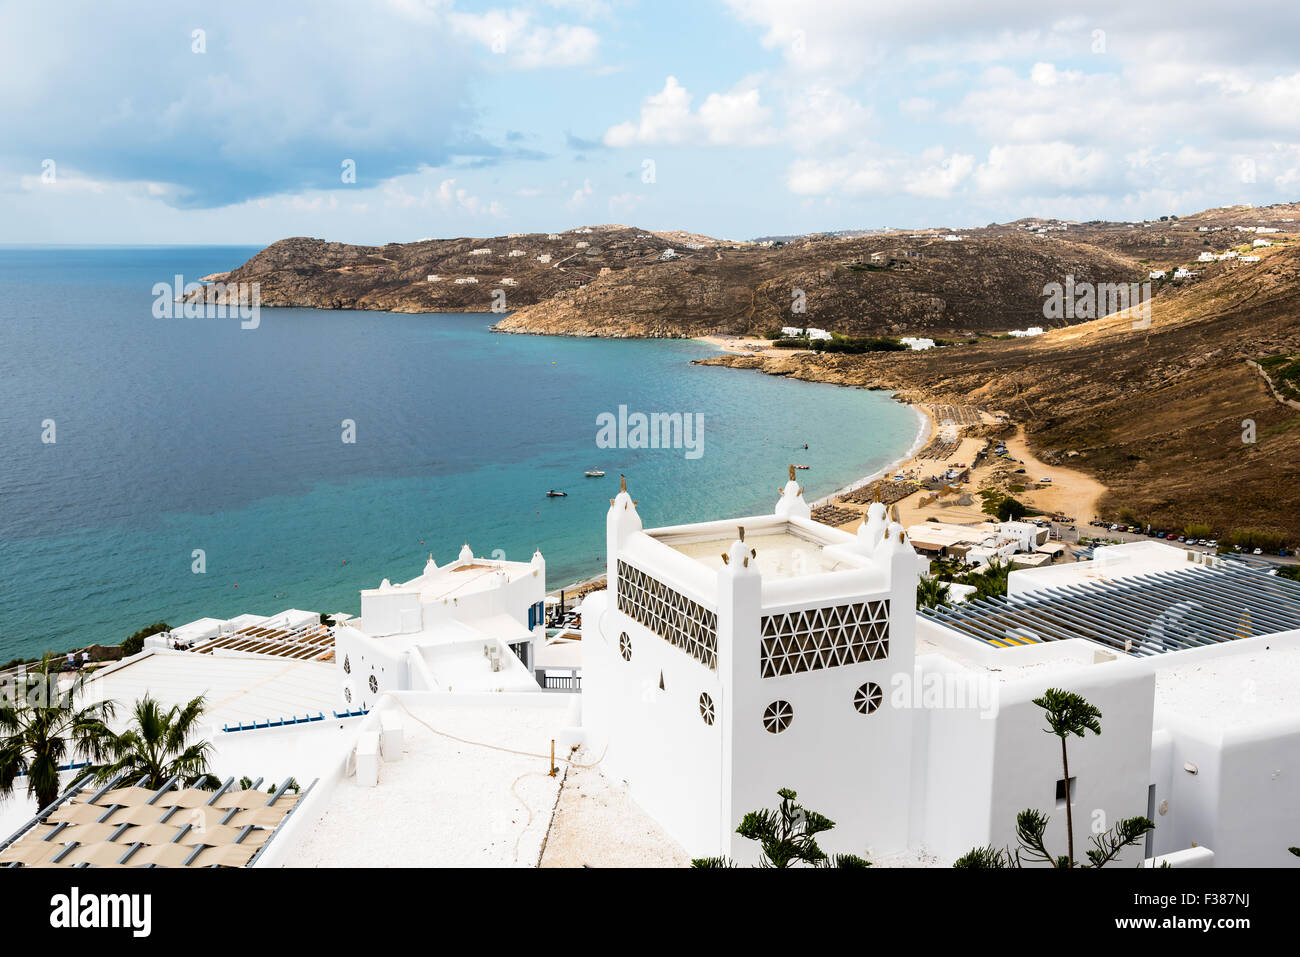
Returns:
(931, 592)
(46, 728)
(990, 583)
(156, 745)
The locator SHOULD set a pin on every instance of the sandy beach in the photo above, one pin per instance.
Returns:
(1070, 493)
(745, 345)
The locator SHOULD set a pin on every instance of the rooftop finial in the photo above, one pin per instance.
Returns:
(875, 492)
(791, 473)
(742, 532)
(622, 483)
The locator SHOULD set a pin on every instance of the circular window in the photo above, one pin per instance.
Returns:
(778, 716)
(867, 698)
(374, 684)
(347, 694)
(706, 707)
(625, 646)
(347, 665)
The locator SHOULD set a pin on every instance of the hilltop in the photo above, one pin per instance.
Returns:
(1157, 414)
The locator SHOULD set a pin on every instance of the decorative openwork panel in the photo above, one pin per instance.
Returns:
(819, 638)
(669, 614)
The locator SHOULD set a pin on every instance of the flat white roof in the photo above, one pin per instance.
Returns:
(447, 803)
(456, 581)
(1253, 681)
(785, 553)
(237, 689)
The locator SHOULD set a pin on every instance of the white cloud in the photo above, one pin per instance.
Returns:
(736, 118)
(579, 197)
(1042, 167)
(524, 45)
(941, 174)
(448, 196)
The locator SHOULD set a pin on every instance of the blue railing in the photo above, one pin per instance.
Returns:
(275, 722)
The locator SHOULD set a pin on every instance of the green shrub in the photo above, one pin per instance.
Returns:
(134, 644)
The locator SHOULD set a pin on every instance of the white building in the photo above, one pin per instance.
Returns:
(1191, 660)
(466, 280)
(722, 665)
(516, 253)
(917, 345)
(469, 625)
(481, 252)
(1262, 242)
(729, 659)
(433, 278)
(1160, 273)
(1027, 333)
(1250, 259)
(544, 258)
(1206, 258)
(1183, 273)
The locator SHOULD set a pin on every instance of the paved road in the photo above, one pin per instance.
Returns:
(1062, 533)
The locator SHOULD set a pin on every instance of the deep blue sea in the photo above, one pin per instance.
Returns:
(173, 435)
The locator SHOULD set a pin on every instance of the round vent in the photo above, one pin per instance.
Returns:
(625, 646)
(706, 707)
(868, 698)
(778, 716)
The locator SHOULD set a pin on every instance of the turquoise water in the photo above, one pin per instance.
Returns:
(180, 434)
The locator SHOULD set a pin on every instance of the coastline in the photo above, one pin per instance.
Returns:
(926, 428)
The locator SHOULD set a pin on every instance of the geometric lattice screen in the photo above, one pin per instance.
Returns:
(669, 614)
(824, 638)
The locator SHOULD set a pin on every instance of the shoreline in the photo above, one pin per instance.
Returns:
(926, 428)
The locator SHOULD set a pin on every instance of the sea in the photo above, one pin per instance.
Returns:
(167, 469)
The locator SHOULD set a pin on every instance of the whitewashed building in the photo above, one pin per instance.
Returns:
(469, 625)
(729, 659)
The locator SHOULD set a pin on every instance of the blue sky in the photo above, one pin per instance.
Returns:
(186, 122)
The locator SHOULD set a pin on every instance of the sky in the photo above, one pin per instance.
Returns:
(373, 121)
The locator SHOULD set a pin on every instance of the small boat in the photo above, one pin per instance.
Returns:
(594, 473)
(554, 494)
(801, 466)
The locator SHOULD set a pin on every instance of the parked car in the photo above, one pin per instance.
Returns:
(1259, 551)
